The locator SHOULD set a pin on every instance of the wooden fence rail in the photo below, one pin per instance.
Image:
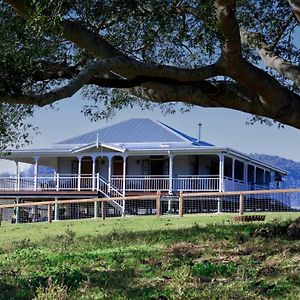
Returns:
(156, 197)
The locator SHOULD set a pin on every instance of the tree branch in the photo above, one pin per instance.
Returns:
(271, 59)
(230, 95)
(82, 78)
(276, 99)
(231, 50)
(295, 5)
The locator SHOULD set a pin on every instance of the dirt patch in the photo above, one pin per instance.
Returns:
(293, 230)
(185, 250)
(153, 262)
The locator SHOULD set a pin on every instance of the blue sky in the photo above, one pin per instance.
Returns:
(221, 127)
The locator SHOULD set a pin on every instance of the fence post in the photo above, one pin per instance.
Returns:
(96, 207)
(55, 210)
(241, 208)
(103, 210)
(158, 196)
(17, 211)
(219, 205)
(1, 215)
(49, 213)
(181, 204)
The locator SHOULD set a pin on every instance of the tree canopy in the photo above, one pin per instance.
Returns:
(242, 55)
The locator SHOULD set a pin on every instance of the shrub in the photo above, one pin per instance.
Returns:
(52, 292)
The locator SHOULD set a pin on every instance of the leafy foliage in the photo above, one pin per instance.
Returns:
(35, 58)
(15, 130)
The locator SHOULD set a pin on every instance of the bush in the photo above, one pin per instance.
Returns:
(52, 292)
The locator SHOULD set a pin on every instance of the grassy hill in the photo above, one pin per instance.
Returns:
(197, 257)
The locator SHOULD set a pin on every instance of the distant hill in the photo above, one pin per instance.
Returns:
(43, 171)
(291, 166)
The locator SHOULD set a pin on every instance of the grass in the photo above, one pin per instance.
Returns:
(196, 257)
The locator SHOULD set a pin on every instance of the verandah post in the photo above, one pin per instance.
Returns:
(181, 204)
(241, 207)
(18, 182)
(158, 196)
(97, 182)
(57, 182)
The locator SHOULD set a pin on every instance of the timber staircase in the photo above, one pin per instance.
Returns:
(106, 190)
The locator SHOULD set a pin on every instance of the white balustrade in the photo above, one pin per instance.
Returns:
(8, 183)
(144, 183)
(68, 182)
(196, 183)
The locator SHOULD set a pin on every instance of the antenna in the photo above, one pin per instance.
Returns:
(199, 132)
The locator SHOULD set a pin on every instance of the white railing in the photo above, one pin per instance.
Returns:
(235, 185)
(8, 183)
(108, 191)
(58, 182)
(196, 183)
(146, 183)
(47, 183)
(238, 185)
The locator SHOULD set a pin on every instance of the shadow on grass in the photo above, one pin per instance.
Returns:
(121, 263)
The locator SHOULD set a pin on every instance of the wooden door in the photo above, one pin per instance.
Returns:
(87, 166)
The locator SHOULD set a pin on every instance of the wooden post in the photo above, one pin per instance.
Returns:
(158, 195)
(96, 207)
(103, 210)
(17, 211)
(1, 215)
(49, 213)
(55, 210)
(181, 204)
(241, 210)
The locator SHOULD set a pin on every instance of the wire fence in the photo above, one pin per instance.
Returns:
(244, 202)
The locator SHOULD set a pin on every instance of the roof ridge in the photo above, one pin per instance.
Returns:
(178, 133)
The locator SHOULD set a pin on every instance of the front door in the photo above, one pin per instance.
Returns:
(157, 167)
(118, 167)
(87, 166)
(86, 173)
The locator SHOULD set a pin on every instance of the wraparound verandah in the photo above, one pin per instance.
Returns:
(117, 173)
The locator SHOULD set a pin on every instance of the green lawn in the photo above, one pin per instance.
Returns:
(195, 257)
(92, 227)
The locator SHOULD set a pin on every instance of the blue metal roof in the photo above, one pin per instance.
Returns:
(135, 131)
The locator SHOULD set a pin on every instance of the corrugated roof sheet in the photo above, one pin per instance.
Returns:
(134, 131)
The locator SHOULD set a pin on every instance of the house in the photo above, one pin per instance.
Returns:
(133, 157)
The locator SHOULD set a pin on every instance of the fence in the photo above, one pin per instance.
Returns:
(243, 202)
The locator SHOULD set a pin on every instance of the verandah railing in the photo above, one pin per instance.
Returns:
(152, 183)
(143, 183)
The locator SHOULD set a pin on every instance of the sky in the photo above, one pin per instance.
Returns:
(221, 127)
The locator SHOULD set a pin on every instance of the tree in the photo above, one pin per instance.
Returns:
(241, 55)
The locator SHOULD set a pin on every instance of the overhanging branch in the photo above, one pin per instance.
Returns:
(295, 5)
(271, 59)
